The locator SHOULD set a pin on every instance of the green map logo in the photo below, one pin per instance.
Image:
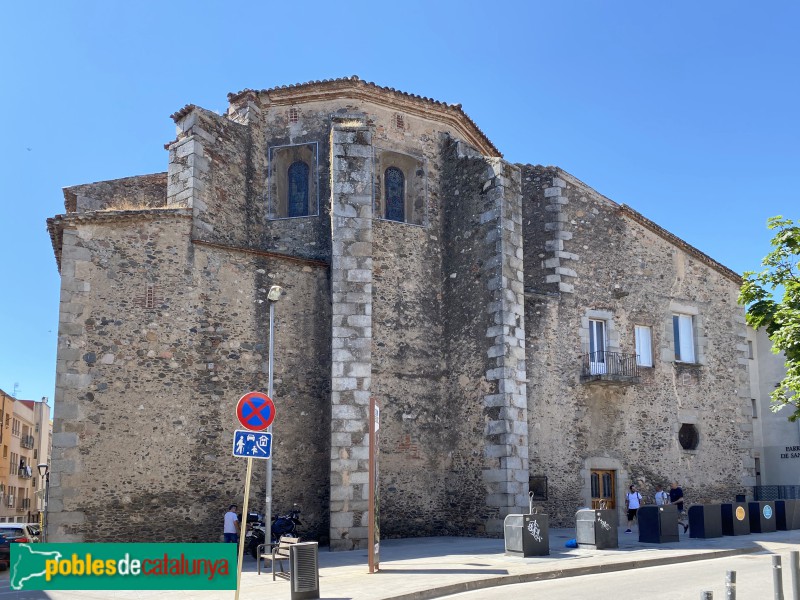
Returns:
(123, 567)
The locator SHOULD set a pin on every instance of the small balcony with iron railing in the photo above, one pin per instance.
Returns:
(610, 368)
(27, 441)
(24, 473)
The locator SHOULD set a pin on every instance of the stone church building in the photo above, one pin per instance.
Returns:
(521, 331)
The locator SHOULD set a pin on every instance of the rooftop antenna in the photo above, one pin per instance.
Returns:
(16, 389)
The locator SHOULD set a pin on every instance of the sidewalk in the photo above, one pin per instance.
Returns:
(418, 569)
(422, 568)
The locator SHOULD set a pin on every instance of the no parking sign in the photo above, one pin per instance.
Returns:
(255, 411)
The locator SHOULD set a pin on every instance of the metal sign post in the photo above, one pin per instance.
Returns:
(243, 527)
(374, 531)
(255, 412)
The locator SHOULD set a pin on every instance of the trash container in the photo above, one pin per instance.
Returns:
(787, 514)
(658, 524)
(705, 521)
(735, 519)
(596, 528)
(304, 575)
(527, 535)
(762, 517)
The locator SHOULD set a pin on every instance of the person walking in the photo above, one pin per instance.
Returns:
(231, 527)
(633, 500)
(676, 498)
(662, 497)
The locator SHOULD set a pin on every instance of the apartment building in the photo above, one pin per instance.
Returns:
(25, 431)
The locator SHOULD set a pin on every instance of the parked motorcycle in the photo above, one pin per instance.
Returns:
(286, 524)
(255, 537)
(281, 525)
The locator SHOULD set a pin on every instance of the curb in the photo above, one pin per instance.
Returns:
(479, 584)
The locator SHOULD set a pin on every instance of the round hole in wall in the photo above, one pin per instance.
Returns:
(688, 436)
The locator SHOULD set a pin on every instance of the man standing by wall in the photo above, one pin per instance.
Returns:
(231, 529)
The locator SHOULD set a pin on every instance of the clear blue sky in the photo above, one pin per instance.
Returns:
(686, 111)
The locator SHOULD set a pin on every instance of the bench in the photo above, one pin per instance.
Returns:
(279, 552)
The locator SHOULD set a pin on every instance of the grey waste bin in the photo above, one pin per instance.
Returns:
(527, 535)
(658, 524)
(596, 528)
(304, 577)
(705, 521)
(787, 513)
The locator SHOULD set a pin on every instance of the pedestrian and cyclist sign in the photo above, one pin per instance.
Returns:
(255, 411)
(249, 444)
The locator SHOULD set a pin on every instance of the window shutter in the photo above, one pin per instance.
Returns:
(644, 347)
(686, 339)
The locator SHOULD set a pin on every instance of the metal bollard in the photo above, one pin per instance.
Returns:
(777, 578)
(706, 595)
(794, 567)
(730, 585)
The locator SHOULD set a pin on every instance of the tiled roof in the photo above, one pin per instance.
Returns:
(326, 88)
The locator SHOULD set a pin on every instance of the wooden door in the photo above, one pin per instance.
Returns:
(604, 485)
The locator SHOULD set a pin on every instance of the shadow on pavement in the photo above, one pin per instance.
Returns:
(447, 571)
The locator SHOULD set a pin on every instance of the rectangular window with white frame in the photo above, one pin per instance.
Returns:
(683, 332)
(597, 346)
(644, 346)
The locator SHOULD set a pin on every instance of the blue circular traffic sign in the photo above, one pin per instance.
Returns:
(255, 411)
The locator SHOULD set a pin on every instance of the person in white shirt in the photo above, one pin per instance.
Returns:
(632, 501)
(662, 497)
(231, 528)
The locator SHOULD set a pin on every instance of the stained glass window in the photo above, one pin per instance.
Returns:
(395, 184)
(298, 189)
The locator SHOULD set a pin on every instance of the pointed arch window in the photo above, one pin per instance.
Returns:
(297, 201)
(395, 183)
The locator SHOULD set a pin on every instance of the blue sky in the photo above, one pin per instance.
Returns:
(686, 111)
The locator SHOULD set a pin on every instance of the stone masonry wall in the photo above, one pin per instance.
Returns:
(628, 274)
(143, 191)
(419, 434)
(484, 331)
(158, 339)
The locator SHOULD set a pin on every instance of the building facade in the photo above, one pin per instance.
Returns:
(496, 311)
(25, 442)
(775, 438)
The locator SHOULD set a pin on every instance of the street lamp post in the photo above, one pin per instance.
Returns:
(44, 471)
(273, 296)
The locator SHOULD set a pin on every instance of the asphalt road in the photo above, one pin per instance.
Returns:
(681, 581)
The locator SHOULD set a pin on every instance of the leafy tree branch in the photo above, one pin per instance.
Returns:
(781, 318)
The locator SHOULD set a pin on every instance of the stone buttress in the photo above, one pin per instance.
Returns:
(351, 364)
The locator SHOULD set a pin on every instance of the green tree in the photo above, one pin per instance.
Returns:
(779, 279)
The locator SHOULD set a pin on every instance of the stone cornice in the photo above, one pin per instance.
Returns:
(57, 224)
(355, 88)
(265, 253)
